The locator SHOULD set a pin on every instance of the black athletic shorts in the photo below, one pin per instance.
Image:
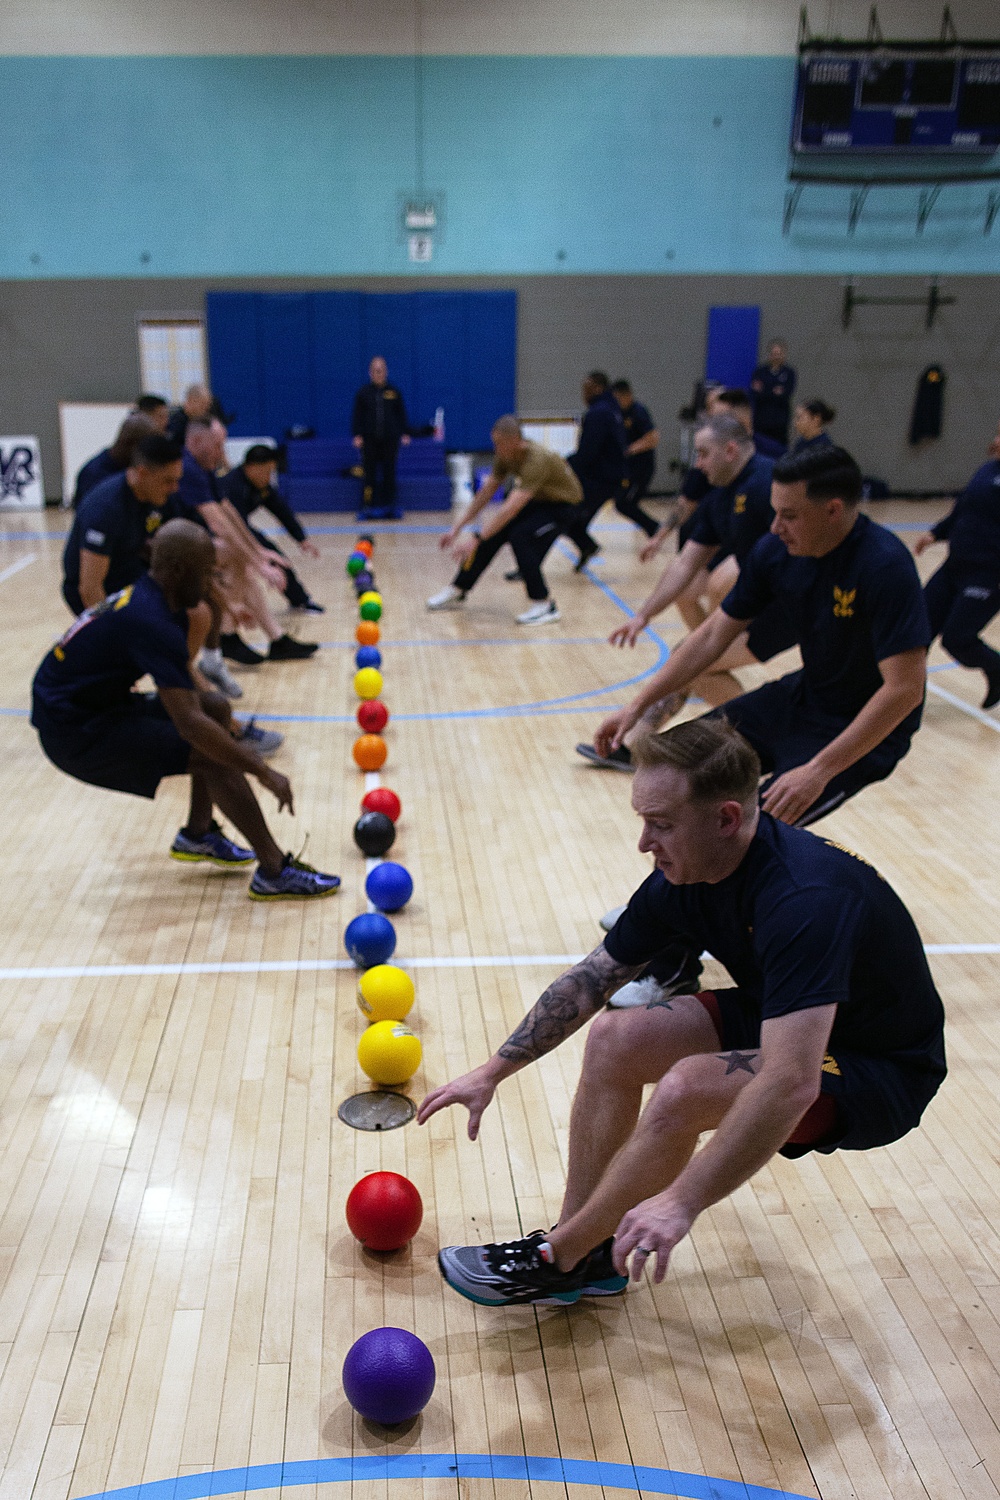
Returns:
(784, 735)
(128, 749)
(878, 1099)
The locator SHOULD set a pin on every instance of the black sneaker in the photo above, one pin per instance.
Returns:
(585, 557)
(511, 1274)
(618, 760)
(992, 691)
(236, 649)
(602, 1279)
(313, 607)
(514, 576)
(287, 649)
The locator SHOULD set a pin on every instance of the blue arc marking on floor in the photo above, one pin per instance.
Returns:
(568, 1471)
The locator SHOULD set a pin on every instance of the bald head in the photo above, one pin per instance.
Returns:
(206, 441)
(182, 558)
(197, 401)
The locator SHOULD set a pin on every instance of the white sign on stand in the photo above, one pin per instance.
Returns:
(21, 486)
(85, 428)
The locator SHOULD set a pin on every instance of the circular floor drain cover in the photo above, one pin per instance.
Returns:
(378, 1109)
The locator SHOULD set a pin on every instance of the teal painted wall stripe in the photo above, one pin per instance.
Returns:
(245, 166)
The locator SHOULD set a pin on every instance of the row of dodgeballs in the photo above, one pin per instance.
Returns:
(388, 1052)
(389, 1373)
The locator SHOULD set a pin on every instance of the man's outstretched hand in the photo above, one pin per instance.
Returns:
(628, 634)
(793, 793)
(279, 785)
(474, 1090)
(614, 729)
(652, 1228)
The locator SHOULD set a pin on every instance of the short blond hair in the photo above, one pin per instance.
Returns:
(720, 765)
(506, 427)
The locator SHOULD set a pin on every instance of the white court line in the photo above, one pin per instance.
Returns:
(16, 567)
(967, 708)
(327, 965)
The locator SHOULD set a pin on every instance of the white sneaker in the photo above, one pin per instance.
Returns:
(212, 666)
(611, 917)
(448, 598)
(638, 992)
(544, 612)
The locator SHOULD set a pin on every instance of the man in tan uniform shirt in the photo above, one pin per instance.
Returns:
(535, 512)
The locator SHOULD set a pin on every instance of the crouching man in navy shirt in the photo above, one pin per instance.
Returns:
(95, 727)
(831, 1038)
(964, 594)
(853, 599)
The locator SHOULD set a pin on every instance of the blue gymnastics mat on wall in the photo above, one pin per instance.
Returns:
(295, 359)
(731, 346)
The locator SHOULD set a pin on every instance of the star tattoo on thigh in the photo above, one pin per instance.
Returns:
(736, 1061)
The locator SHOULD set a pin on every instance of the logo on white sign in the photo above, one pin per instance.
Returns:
(21, 485)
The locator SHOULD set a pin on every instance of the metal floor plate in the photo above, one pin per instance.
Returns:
(377, 1109)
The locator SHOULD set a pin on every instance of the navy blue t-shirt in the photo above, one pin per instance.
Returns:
(637, 422)
(810, 445)
(115, 525)
(736, 515)
(802, 923)
(105, 652)
(102, 466)
(972, 527)
(769, 447)
(197, 488)
(246, 498)
(599, 461)
(851, 609)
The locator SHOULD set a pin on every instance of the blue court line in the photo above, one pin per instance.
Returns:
(521, 640)
(568, 1471)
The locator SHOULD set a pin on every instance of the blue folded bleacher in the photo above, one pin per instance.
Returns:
(315, 478)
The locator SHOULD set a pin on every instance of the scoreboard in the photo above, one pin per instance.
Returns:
(910, 99)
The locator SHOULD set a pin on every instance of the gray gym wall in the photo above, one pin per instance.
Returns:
(76, 340)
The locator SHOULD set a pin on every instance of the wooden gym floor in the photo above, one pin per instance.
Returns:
(178, 1285)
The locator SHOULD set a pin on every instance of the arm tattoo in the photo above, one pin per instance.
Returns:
(567, 1003)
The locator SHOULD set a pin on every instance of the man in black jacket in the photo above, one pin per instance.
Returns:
(251, 485)
(773, 385)
(379, 426)
(964, 594)
(599, 461)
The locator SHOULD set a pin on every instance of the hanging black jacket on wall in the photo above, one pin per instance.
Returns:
(928, 408)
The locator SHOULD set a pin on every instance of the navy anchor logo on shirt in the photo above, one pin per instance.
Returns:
(843, 602)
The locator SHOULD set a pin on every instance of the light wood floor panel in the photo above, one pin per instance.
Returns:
(178, 1287)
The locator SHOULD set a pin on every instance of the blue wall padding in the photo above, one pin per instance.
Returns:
(285, 359)
(732, 343)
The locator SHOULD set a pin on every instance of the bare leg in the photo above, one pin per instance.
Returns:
(694, 1096)
(625, 1050)
(229, 790)
(249, 591)
(719, 685)
(232, 794)
(200, 811)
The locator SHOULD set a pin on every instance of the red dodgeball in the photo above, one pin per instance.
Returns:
(384, 1211)
(373, 716)
(380, 799)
